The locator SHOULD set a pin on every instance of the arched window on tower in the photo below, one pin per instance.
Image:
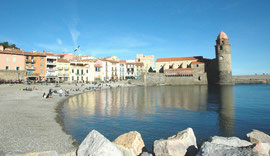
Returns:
(221, 47)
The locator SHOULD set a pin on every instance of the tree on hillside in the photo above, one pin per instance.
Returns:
(6, 45)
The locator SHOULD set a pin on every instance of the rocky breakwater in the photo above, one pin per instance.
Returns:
(183, 143)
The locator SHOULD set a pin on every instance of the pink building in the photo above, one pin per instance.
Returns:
(12, 59)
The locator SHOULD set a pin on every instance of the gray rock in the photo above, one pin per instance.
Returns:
(179, 144)
(146, 154)
(220, 146)
(230, 141)
(212, 149)
(256, 136)
(95, 144)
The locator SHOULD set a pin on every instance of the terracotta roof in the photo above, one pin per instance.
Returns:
(62, 60)
(34, 54)
(122, 61)
(51, 54)
(178, 58)
(98, 66)
(14, 52)
(113, 61)
(197, 62)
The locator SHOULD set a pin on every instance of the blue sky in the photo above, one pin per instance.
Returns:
(123, 28)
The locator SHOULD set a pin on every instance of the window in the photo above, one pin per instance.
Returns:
(78, 72)
(41, 64)
(82, 71)
(6, 68)
(72, 70)
(42, 58)
(7, 59)
(72, 78)
(221, 47)
(197, 65)
(41, 71)
(17, 68)
(221, 58)
(82, 78)
(14, 59)
(86, 70)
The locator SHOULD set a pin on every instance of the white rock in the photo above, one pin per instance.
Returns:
(95, 144)
(262, 148)
(212, 149)
(176, 145)
(256, 136)
(131, 143)
(230, 141)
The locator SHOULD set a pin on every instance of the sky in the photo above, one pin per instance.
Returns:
(124, 28)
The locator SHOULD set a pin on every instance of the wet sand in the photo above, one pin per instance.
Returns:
(30, 123)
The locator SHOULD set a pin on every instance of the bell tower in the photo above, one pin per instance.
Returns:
(223, 57)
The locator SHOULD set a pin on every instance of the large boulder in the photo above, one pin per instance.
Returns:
(95, 144)
(256, 136)
(220, 146)
(230, 141)
(262, 148)
(131, 143)
(210, 149)
(177, 145)
(261, 140)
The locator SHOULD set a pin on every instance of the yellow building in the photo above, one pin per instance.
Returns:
(148, 62)
(63, 70)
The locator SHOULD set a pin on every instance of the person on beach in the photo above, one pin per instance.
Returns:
(60, 92)
(44, 95)
(50, 92)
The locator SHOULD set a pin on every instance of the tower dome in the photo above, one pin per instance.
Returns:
(222, 35)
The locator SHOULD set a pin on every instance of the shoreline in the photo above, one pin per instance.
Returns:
(30, 123)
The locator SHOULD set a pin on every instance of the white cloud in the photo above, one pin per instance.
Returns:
(75, 35)
(59, 41)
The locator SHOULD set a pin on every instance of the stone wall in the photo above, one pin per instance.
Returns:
(152, 79)
(251, 79)
(11, 75)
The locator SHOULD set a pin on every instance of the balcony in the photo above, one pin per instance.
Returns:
(30, 61)
(30, 68)
(51, 74)
(63, 75)
(51, 69)
(51, 62)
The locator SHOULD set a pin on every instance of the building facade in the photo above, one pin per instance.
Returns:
(148, 62)
(35, 66)
(51, 69)
(63, 70)
(12, 65)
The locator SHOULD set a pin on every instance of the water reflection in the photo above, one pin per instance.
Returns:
(211, 108)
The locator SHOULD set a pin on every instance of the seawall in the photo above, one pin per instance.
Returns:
(251, 79)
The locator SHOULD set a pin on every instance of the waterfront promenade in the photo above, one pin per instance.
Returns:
(30, 123)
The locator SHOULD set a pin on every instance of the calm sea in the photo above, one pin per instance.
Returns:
(160, 112)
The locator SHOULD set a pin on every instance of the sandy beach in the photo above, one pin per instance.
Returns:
(30, 123)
